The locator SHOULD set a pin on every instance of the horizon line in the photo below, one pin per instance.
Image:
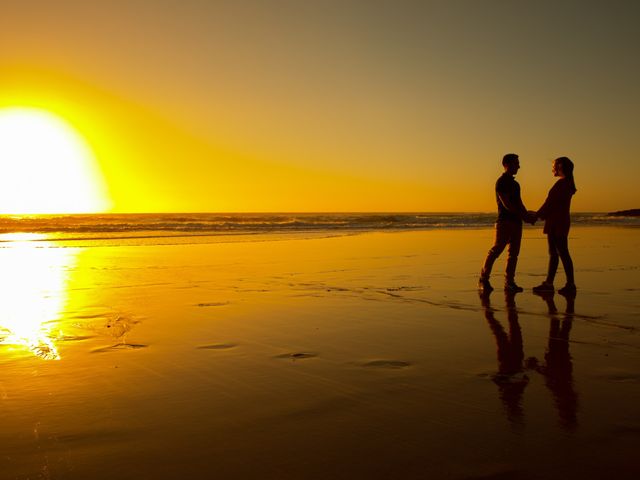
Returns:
(283, 212)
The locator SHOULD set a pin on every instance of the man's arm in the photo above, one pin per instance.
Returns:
(516, 206)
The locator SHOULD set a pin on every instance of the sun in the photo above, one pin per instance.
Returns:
(46, 166)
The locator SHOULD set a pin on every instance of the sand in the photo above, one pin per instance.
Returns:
(366, 356)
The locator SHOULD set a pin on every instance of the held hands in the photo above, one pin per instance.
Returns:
(530, 217)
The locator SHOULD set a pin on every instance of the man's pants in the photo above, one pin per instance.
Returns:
(507, 233)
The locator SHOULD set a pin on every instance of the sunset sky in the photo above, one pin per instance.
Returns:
(199, 105)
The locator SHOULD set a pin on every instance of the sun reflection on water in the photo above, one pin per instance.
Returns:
(33, 293)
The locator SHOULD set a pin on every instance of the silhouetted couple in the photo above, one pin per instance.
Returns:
(511, 214)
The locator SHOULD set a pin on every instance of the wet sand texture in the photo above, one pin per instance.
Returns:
(357, 357)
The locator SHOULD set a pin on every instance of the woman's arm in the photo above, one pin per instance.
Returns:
(544, 209)
(550, 203)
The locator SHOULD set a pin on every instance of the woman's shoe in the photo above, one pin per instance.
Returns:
(544, 287)
(568, 289)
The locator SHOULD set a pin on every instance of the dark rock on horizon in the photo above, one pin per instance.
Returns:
(626, 213)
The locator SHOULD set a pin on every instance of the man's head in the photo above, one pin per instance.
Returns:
(511, 163)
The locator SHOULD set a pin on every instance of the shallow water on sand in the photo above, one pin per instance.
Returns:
(364, 356)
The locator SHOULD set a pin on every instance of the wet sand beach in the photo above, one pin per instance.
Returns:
(368, 356)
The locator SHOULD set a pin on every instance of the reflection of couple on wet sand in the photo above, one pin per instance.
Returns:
(511, 214)
(556, 369)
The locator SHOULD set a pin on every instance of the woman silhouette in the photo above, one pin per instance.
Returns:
(555, 213)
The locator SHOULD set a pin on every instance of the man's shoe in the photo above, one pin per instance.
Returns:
(568, 289)
(544, 287)
(511, 287)
(484, 285)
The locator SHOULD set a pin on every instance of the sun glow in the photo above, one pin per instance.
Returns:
(46, 166)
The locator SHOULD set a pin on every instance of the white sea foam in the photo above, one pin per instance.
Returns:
(114, 226)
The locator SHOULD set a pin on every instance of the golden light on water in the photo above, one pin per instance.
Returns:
(47, 167)
(33, 282)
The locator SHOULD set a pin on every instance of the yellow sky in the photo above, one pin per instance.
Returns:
(211, 106)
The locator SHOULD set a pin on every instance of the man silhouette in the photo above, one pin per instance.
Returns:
(511, 213)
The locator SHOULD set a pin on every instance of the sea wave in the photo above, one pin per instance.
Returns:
(117, 225)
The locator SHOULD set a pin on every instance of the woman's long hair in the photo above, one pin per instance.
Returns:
(567, 168)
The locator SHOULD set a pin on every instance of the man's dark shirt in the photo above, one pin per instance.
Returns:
(507, 186)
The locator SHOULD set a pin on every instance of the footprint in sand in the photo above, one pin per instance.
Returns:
(217, 346)
(120, 325)
(388, 364)
(297, 355)
(620, 376)
(75, 338)
(120, 346)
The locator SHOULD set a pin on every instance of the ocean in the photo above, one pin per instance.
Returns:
(158, 225)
